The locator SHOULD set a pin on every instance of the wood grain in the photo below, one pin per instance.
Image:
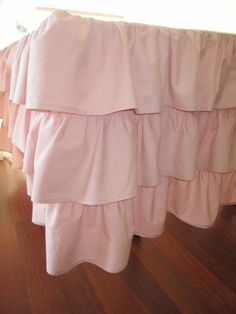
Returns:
(185, 270)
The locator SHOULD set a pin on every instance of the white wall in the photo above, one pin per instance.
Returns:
(218, 15)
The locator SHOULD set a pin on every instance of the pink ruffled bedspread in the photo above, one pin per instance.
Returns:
(115, 124)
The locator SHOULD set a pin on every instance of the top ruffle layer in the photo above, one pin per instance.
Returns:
(94, 67)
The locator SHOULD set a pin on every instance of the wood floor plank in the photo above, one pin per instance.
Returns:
(185, 286)
(212, 295)
(12, 187)
(43, 292)
(186, 270)
(208, 252)
(13, 289)
(141, 282)
(80, 293)
(226, 223)
(114, 294)
(166, 275)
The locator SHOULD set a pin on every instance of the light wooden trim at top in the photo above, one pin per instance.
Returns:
(72, 11)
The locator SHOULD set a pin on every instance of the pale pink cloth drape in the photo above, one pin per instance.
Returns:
(119, 123)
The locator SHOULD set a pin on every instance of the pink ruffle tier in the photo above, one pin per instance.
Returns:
(102, 234)
(115, 66)
(137, 121)
(116, 153)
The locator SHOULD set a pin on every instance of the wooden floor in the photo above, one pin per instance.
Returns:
(186, 270)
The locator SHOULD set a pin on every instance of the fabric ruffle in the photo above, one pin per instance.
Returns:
(116, 153)
(198, 140)
(102, 234)
(114, 124)
(151, 67)
(198, 201)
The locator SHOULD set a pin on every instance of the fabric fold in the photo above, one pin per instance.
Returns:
(116, 153)
(102, 234)
(151, 68)
(114, 124)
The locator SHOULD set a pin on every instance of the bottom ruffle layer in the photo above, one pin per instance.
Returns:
(102, 234)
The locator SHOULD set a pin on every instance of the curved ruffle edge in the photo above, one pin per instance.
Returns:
(149, 67)
(102, 234)
(116, 153)
(137, 166)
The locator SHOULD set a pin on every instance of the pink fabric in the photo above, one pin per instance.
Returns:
(115, 124)
(6, 63)
(12, 117)
(102, 234)
(116, 153)
(102, 146)
(19, 69)
(197, 202)
(99, 234)
(20, 126)
(151, 67)
(197, 140)
(227, 190)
